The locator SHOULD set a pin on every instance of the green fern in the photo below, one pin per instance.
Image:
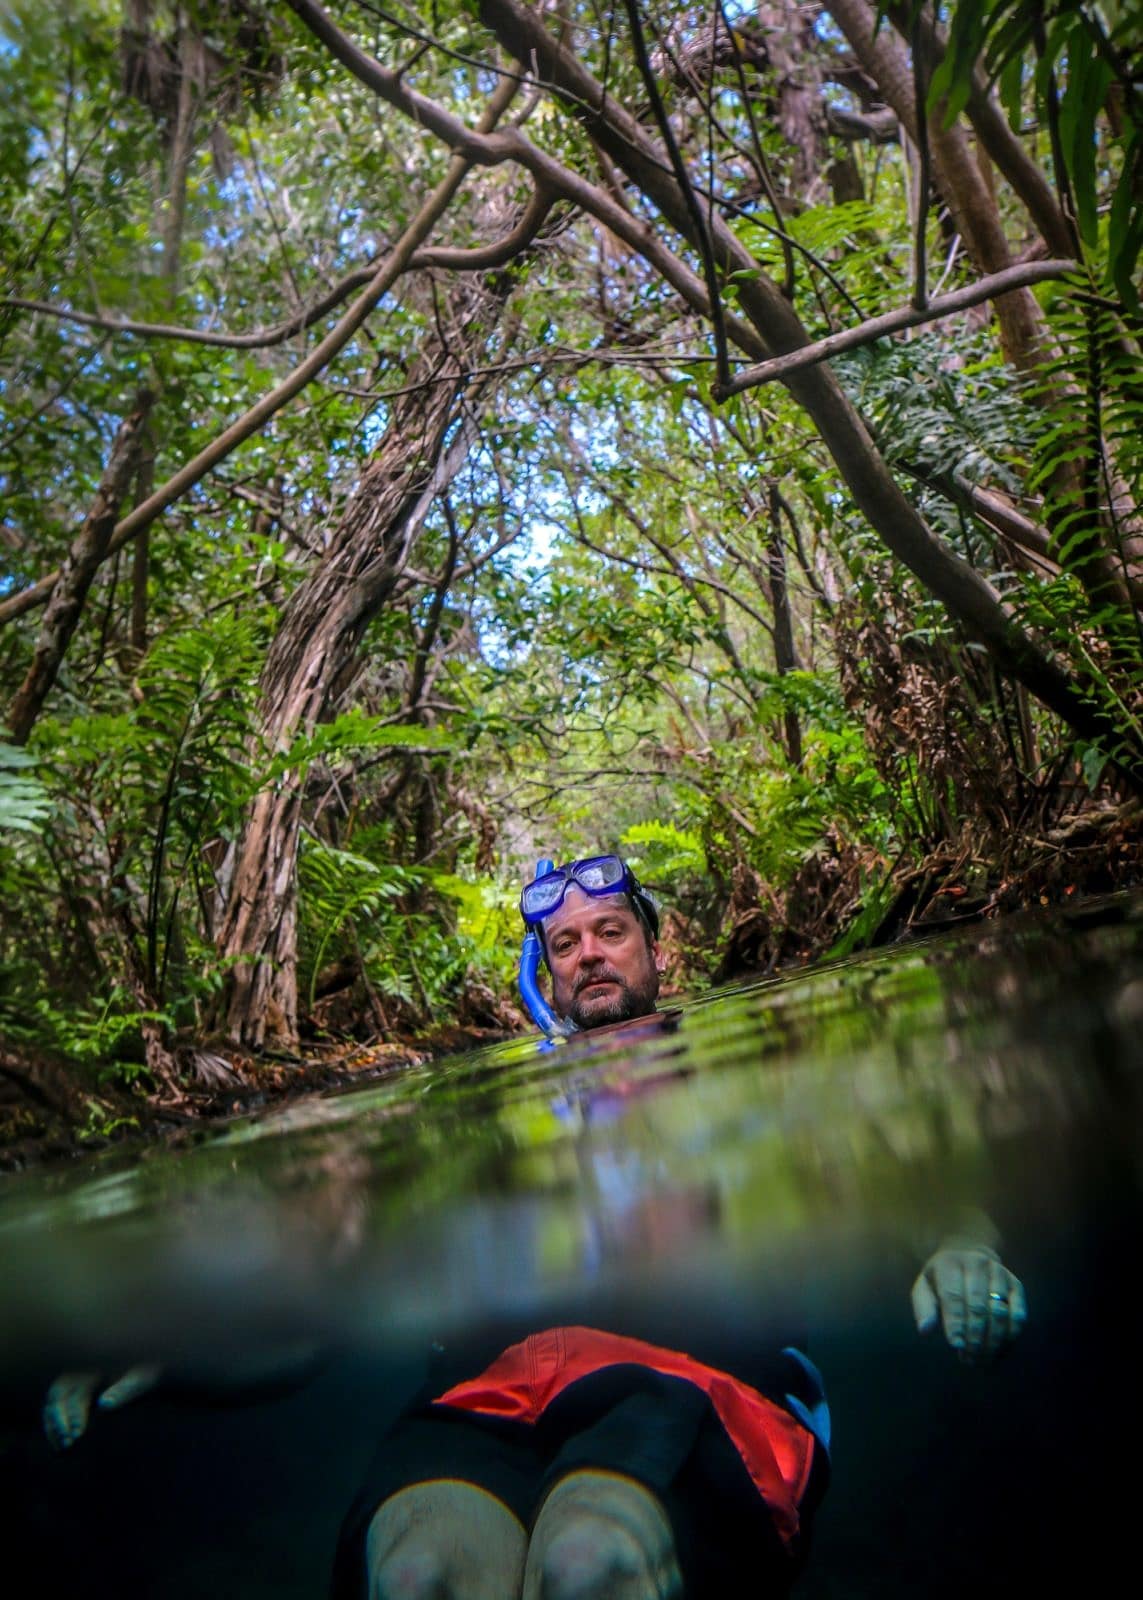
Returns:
(163, 778)
(487, 913)
(24, 801)
(353, 732)
(337, 887)
(663, 852)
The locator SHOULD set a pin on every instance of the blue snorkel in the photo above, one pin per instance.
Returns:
(531, 954)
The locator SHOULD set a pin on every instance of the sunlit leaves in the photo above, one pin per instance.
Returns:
(662, 851)
(592, 622)
(352, 733)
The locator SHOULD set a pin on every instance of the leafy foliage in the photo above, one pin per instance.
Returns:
(663, 851)
(636, 618)
(24, 801)
(1070, 55)
(393, 920)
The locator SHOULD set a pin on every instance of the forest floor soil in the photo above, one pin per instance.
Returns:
(50, 1114)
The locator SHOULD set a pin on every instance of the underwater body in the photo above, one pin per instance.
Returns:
(769, 1164)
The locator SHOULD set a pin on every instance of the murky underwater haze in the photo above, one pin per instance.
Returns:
(779, 1157)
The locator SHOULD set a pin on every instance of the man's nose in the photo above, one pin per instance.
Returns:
(590, 950)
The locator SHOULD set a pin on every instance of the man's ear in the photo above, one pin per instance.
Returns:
(660, 957)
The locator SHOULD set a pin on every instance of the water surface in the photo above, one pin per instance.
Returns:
(782, 1155)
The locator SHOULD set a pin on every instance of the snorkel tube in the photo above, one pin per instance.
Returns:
(531, 954)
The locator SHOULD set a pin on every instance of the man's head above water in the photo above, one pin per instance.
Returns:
(604, 961)
(601, 948)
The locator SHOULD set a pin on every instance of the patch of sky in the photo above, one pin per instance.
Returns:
(543, 511)
(238, 193)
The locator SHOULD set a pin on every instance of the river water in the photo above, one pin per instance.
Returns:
(772, 1157)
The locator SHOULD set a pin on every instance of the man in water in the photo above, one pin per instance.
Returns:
(599, 931)
(578, 1464)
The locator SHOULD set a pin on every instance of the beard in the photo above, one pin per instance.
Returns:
(619, 1004)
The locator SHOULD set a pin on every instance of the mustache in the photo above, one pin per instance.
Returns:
(601, 975)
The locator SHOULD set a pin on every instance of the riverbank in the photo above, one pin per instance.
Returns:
(51, 1111)
(844, 899)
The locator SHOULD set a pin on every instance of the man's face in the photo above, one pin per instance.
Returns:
(603, 967)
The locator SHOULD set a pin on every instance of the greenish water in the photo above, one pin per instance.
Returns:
(781, 1154)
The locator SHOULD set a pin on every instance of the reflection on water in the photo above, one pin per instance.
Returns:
(769, 1167)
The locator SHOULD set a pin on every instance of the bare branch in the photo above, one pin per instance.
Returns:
(511, 144)
(500, 251)
(259, 339)
(495, 254)
(834, 344)
(878, 126)
(319, 358)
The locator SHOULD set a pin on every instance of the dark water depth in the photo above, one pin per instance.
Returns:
(775, 1161)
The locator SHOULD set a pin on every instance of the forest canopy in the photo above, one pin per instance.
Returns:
(436, 436)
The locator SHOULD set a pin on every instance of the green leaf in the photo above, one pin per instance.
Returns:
(1125, 224)
(351, 732)
(1093, 762)
(24, 801)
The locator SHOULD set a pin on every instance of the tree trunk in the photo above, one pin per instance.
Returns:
(991, 128)
(89, 548)
(318, 636)
(800, 108)
(785, 652)
(957, 176)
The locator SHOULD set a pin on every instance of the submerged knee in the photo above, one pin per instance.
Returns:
(409, 1574)
(593, 1558)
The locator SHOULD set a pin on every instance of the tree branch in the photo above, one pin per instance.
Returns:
(682, 178)
(834, 344)
(511, 144)
(88, 549)
(879, 126)
(319, 358)
(479, 259)
(259, 339)
(991, 127)
(947, 575)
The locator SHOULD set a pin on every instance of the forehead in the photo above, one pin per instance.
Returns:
(581, 910)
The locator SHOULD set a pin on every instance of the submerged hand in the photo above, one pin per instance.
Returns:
(980, 1304)
(67, 1405)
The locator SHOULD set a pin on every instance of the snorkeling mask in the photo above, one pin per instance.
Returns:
(598, 876)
